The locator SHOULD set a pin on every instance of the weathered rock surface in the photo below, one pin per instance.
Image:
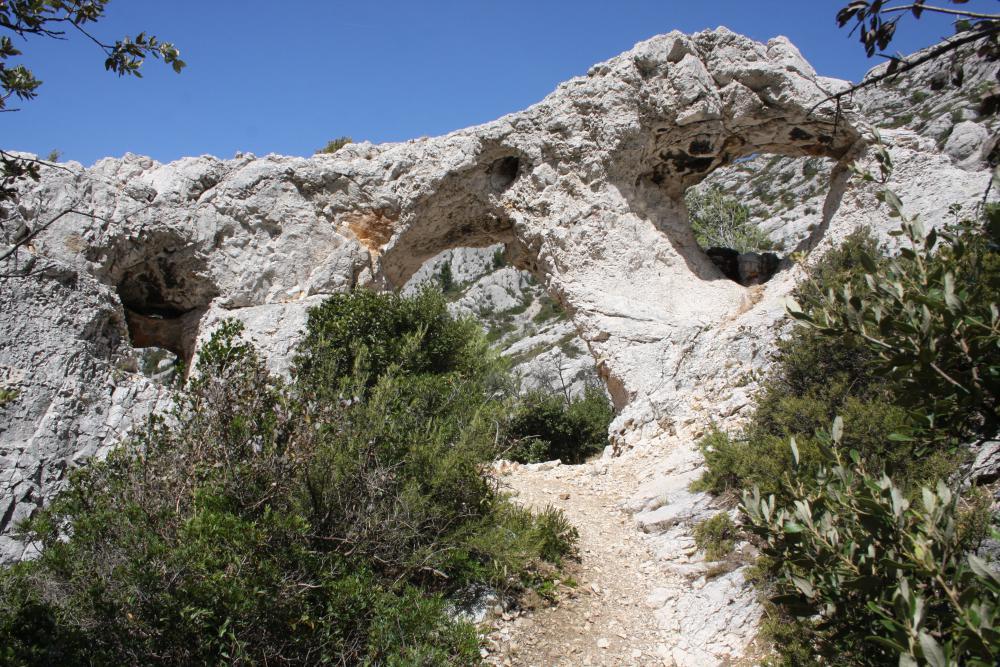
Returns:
(585, 189)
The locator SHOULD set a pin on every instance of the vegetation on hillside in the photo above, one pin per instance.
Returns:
(720, 221)
(850, 466)
(335, 145)
(547, 426)
(334, 519)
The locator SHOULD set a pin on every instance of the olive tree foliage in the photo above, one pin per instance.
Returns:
(24, 20)
(875, 576)
(929, 314)
(875, 21)
(873, 568)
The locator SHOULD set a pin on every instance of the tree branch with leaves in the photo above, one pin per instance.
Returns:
(24, 20)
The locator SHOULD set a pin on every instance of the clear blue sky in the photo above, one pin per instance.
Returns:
(286, 76)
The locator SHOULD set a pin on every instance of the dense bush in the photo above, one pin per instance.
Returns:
(335, 145)
(873, 577)
(813, 379)
(366, 332)
(547, 426)
(872, 561)
(715, 536)
(721, 221)
(929, 315)
(326, 521)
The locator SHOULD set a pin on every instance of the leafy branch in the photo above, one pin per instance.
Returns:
(25, 19)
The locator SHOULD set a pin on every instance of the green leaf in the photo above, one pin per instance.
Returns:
(932, 650)
(893, 201)
(888, 643)
(804, 586)
(950, 299)
(980, 567)
(837, 432)
(868, 263)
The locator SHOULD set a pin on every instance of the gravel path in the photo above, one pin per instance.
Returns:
(604, 619)
(642, 593)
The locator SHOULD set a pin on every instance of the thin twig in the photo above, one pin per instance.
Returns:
(942, 10)
(45, 163)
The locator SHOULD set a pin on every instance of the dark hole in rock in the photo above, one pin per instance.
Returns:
(799, 134)
(748, 268)
(684, 163)
(700, 147)
(993, 154)
(163, 302)
(957, 75)
(727, 260)
(989, 105)
(503, 172)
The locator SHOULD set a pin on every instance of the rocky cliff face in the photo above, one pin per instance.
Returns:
(584, 190)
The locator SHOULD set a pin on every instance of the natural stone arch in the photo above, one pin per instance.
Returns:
(583, 188)
(595, 207)
(463, 209)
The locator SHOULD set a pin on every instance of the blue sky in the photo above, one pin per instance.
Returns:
(286, 76)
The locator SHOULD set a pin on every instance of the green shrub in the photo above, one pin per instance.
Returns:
(716, 536)
(299, 523)
(366, 332)
(549, 310)
(868, 567)
(719, 220)
(499, 259)
(446, 279)
(929, 318)
(811, 167)
(872, 562)
(8, 396)
(547, 426)
(874, 578)
(335, 145)
(815, 377)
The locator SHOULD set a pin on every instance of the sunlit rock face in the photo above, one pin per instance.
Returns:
(585, 189)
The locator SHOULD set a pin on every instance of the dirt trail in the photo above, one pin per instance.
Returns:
(607, 617)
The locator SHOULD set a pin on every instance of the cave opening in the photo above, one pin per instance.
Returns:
(503, 172)
(163, 295)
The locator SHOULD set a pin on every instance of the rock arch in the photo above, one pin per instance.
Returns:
(594, 207)
(585, 188)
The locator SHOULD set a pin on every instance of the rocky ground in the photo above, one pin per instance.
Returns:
(518, 315)
(641, 592)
